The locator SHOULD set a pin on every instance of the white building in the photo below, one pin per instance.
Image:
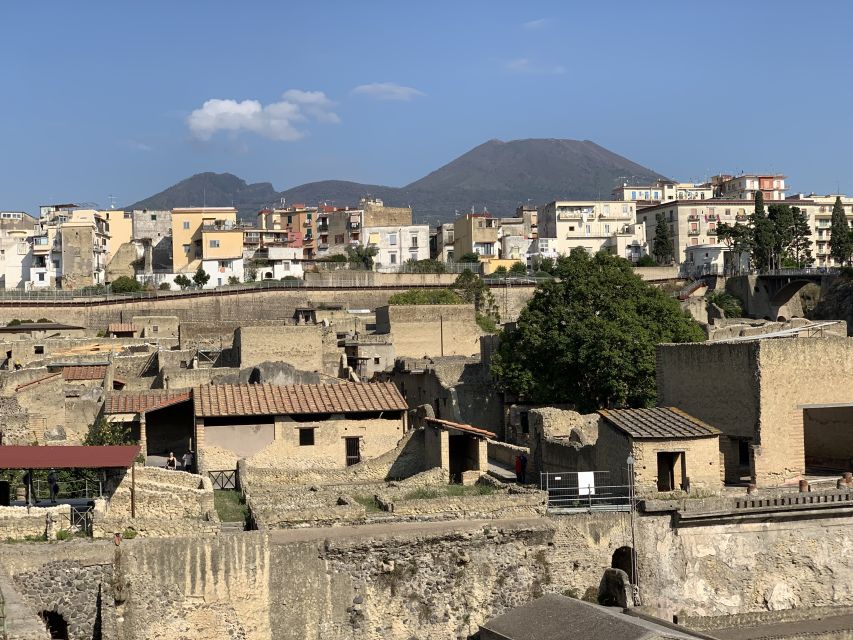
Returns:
(221, 271)
(278, 263)
(16, 230)
(398, 244)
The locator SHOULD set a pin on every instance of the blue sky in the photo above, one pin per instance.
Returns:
(126, 99)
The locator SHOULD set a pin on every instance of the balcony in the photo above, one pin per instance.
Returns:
(741, 217)
(354, 225)
(693, 217)
(308, 223)
(713, 217)
(693, 232)
(712, 231)
(323, 228)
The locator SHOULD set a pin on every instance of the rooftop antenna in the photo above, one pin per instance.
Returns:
(112, 202)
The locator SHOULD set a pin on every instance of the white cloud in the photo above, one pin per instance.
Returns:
(276, 121)
(525, 65)
(139, 146)
(536, 24)
(387, 91)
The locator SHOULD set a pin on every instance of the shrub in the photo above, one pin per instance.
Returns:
(233, 280)
(646, 261)
(500, 271)
(518, 269)
(469, 257)
(487, 323)
(201, 278)
(63, 534)
(426, 296)
(129, 534)
(182, 281)
(165, 286)
(425, 266)
(847, 272)
(125, 284)
(730, 305)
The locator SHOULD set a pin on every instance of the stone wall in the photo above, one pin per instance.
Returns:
(306, 347)
(19, 523)
(430, 330)
(33, 406)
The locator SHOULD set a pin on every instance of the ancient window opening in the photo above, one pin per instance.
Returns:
(306, 437)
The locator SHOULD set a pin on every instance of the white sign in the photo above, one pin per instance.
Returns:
(586, 483)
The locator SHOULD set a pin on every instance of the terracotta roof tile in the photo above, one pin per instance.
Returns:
(267, 399)
(90, 372)
(140, 402)
(658, 422)
(121, 327)
(461, 427)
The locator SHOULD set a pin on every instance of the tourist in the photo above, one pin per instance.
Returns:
(518, 472)
(53, 485)
(522, 459)
(172, 461)
(188, 461)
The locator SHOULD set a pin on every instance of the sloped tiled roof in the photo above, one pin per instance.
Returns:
(467, 428)
(658, 422)
(140, 402)
(121, 327)
(267, 399)
(90, 372)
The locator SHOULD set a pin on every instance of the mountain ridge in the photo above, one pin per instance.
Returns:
(494, 175)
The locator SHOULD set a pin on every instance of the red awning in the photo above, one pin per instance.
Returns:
(27, 457)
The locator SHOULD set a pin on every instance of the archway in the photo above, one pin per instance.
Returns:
(787, 292)
(56, 624)
(623, 558)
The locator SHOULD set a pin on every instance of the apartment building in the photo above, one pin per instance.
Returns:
(745, 186)
(70, 247)
(338, 229)
(210, 238)
(377, 214)
(592, 225)
(396, 245)
(441, 242)
(300, 223)
(663, 191)
(819, 210)
(16, 229)
(476, 233)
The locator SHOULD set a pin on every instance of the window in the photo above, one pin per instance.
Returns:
(339, 238)
(607, 209)
(186, 249)
(38, 350)
(224, 264)
(41, 277)
(587, 229)
(155, 328)
(56, 265)
(571, 228)
(392, 239)
(414, 243)
(626, 208)
(289, 219)
(413, 255)
(392, 258)
(633, 195)
(376, 360)
(214, 244)
(694, 241)
(306, 437)
(153, 216)
(186, 224)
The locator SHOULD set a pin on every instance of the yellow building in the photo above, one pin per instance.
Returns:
(121, 228)
(476, 233)
(200, 233)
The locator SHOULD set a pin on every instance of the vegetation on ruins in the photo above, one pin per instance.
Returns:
(589, 338)
(425, 266)
(647, 261)
(102, 432)
(125, 284)
(473, 290)
(201, 277)
(730, 304)
(469, 257)
(426, 296)
(362, 256)
(840, 238)
(662, 248)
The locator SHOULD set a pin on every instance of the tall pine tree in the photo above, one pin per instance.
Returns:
(840, 242)
(800, 249)
(662, 247)
(782, 221)
(762, 235)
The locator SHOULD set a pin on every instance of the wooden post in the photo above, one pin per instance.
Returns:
(133, 489)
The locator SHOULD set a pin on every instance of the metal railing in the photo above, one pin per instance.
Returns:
(84, 488)
(578, 492)
(226, 479)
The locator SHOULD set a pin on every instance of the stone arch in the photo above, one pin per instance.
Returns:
(56, 624)
(788, 291)
(267, 275)
(624, 558)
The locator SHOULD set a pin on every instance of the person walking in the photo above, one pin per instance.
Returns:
(518, 473)
(523, 460)
(188, 461)
(172, 461)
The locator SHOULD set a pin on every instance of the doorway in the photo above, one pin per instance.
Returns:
(56, 624)
(671, 471)
(624, 558)
(353, 450)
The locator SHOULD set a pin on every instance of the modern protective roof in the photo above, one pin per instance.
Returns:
(121, 327)
(77, 457)
(266, 399)
(658, 422)
(556, 617)
(467, 428)
(142, 401)
(91, 372)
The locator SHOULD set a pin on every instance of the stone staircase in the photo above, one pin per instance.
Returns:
(232, 527)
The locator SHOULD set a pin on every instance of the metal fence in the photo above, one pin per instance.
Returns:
(84, 488)
(584, 491)
(78, 520)
(226, 479)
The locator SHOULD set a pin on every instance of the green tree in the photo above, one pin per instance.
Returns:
(589, 339)
(164, 286)
(782, 221)
(840, 241)
(103, 433)
(800, 249)
(425, 266)
(762, 235)
(469, 257)
(738, 238)
(473, 290)
(362, 256)
(182, 281)
(662, 247)
(125, 284)
(646, 261)
(518, 269)
(548, 265)
(200, 278)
